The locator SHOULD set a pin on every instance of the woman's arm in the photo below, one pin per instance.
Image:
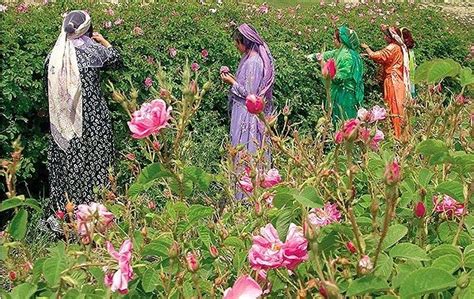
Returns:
(381, 56)
(253, 73)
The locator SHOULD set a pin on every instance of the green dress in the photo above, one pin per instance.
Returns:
(347, 87)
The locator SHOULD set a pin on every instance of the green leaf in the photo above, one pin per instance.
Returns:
(52, 268)
(17, 227)
(32, 203)
(150, 280)
(450, 263)
(23, 291)
(436, 150)
(309, 198)
(394, 234)
(384, 266)
(426, 281)
(453, 189)
(424, 177)
(73, 294)
(409, 251)
(199, 177)
(283, 199)
(283, 221)
(234, 242)
(38, 269)
(463, 163)
(204, 235)
(436, 70)
(468, 259)
(445, 249)
(135, 189)
(198, 212)
(466, 77)
(152, 172)
(10, 203)
(366, 285)
(158, 247)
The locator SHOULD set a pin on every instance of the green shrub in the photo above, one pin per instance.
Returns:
(190, 27)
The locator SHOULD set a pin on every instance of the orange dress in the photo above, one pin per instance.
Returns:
(391, 58)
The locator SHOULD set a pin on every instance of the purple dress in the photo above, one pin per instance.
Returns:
(246, 128)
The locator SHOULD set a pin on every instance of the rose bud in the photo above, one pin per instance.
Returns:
(224, 70)
(60, 214)
(351, 247)
(173, 252)
(213, 251)
(192, 262)
(254, 104)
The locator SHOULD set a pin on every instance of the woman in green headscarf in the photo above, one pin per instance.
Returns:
(347, 87)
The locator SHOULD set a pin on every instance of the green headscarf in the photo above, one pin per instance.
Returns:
(350, 40)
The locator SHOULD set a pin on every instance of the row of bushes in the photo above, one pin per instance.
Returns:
(28, 34)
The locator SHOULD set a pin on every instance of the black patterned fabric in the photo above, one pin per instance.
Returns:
(84, 166)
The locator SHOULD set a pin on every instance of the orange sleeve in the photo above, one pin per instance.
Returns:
(384, 55)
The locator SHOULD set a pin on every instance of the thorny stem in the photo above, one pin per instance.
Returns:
(391, 198)
(356, 230)
(319, 269)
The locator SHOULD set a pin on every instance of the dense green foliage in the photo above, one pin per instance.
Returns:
(190, 27)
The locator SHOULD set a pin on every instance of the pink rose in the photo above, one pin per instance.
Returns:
(325, 215)
(350, 127)
(194, 66)
(109, 11)
(266, 251)
(377, 113)
(263, 8)
(246, 183)
(150, 119)
(124, 274)
(118, 22)
(137, 31)
(295, 249)
(148, 82)
(204, 53)
(364, 134)
(254, 104)
(271, 178)
(224, 70)
(92, 216)
(3, 8)
(363, 114)
(172, 52)
(329, 69)
(375, 142)
(150, 60)
(449, 206)
(244, 287)
(22, 8)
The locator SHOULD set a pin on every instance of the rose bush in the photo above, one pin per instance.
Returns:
(174, 31)
(333, 217)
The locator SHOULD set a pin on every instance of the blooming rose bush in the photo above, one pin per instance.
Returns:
(360, 215)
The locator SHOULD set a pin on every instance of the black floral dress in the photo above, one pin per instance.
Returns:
(76, 173)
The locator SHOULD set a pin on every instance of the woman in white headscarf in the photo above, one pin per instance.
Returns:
(81, 148)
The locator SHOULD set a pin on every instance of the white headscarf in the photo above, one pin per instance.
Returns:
(406, 60)
(64, 86)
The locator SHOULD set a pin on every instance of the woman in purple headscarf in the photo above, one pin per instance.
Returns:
(255, 76)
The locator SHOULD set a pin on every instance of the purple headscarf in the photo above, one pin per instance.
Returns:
(254, 42)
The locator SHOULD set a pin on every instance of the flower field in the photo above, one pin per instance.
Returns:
(345, 211)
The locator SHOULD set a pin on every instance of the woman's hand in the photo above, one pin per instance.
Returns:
(100, 39)
(228, 78)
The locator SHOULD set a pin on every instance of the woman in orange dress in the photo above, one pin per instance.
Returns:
(396, 77)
